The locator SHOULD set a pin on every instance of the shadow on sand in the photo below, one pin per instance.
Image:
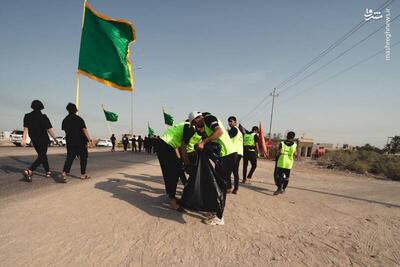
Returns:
(140, 195)
(259, 189)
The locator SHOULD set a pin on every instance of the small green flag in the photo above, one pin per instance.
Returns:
(110, 116)
(104, 50)
(168, 119)
(150, 130)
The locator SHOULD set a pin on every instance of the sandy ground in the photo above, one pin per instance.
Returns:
(120, 218)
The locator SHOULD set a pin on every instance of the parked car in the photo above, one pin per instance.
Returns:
(61, 140)
(104, 142)
(16, 138)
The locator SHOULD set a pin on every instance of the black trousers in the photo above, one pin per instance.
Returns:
(72, 152)
(224, 170)
(113, 146)
(170, 166)
(235, 172)
(282, 177)
(125, 146)
(41, 150)
(252, 157)
(134, 147)
(140, 147)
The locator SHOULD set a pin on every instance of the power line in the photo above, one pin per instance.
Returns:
(338, 56)
(331, 47)
(340, 72)
(317, 58)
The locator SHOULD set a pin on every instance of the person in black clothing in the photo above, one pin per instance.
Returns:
(226, 162)
(38, 126)
(237, 138)
(146, 144)
(125, 142)
(134, 146)
(250, 153)
(113, 139)
(140, 143)
(78, 140)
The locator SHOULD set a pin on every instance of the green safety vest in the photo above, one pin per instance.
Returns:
(286, 158)
(224, 140)
(194, 140)
(248, 140)
(173, 136)
(237, 142)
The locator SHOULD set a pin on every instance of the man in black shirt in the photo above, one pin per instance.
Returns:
(140, 143)
(125, 142)
(78, 138)
(38, 126)
(113, 139)
(216, 135)
(134, 146)
(250, 152)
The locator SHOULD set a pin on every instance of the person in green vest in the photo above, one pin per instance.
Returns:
(285, 159)
(250, 152)
(167, 149)
(216, 133)
(237, 140)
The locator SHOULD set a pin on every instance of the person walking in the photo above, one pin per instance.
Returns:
(38, 126)
(285, 157)
(125, 142)
(140, 143)
(134, 146)
(78, 140)
(237, 140)
(113, 139)
(167, 149)
(250, 152)
(216, 133)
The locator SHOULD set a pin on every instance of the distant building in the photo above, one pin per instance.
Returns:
(305, 147)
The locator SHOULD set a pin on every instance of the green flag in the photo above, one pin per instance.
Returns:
(104, 50)
(150, 130)
(110, 116)
(168, 119)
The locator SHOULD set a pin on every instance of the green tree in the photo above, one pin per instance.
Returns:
(394, 146)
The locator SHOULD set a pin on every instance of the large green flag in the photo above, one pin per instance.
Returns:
(168, 119)
(110, 116)
(150, 130)
(104, 51)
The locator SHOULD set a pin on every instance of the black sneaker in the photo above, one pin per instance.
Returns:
(277, 192)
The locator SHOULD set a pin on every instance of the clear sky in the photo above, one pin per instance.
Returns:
(216, 56)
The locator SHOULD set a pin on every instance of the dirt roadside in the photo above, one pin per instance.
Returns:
(121, 219)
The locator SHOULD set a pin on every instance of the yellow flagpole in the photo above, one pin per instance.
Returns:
(77, 91)
(77, 73)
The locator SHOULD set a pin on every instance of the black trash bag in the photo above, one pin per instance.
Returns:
(276, 177)
(203, 193)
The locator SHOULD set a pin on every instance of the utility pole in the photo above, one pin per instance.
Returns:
(273, 94)
(138, 68)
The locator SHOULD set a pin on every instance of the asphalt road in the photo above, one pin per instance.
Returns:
(13, 160)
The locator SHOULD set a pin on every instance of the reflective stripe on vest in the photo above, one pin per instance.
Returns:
(237, 142)
(194, 140)
(224, 140)
(173, 136)
(286, 157)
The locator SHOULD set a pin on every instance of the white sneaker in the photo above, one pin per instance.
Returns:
(215, 221)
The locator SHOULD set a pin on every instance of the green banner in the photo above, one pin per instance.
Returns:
(150, 131)
(110, 116)
(168, 119)
(104, 50)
